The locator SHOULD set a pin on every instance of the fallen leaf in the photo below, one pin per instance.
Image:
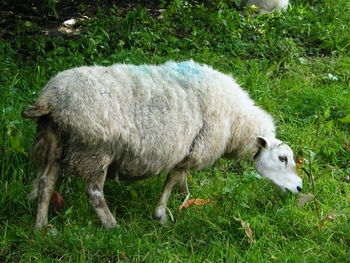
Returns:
(196, 201)
(57, 200)
(304, 198)
(248, 231)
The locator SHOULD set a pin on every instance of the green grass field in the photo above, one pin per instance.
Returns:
(295, 65)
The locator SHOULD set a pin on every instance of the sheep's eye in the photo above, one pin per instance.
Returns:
(283, 159)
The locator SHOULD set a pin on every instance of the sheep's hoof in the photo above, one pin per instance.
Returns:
(37, 228)
(111, 223)
(161, 215)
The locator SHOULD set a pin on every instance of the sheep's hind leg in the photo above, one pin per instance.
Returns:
(46, 185)
(94, 191)
(173, 177)
(47, 151)
(35, 186)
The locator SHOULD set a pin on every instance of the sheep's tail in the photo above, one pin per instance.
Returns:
(46, 151)
(35, 111)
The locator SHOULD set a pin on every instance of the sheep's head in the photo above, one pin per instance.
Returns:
(274, 161)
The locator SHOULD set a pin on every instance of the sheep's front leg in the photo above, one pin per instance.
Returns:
(94, 191)
(173, 177)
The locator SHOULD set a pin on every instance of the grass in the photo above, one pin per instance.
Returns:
(295, 65)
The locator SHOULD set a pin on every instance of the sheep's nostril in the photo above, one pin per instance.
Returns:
(299, 188)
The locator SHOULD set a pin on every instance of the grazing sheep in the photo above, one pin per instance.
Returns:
(267, 6)
(137, 121)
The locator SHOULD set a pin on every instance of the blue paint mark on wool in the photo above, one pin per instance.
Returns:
(186, 71)
(141, 69)
(188, 68)
(181, 72)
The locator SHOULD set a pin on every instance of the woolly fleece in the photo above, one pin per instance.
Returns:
(150, 119)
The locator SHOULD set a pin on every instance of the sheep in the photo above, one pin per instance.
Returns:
(267, 6)
(134, 122)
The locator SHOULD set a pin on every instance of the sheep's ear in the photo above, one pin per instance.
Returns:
(262, 142)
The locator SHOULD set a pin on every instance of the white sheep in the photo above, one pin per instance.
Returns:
(267, 6)
(138, 121)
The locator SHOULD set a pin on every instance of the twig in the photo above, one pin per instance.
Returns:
(309, 174)
(313, 191)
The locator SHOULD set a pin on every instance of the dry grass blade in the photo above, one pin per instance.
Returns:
(248, 231)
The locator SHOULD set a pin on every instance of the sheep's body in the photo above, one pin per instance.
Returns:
(267, 6)
(138, 121)
(149, 119)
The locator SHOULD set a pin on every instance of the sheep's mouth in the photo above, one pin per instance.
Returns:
(286, 190)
